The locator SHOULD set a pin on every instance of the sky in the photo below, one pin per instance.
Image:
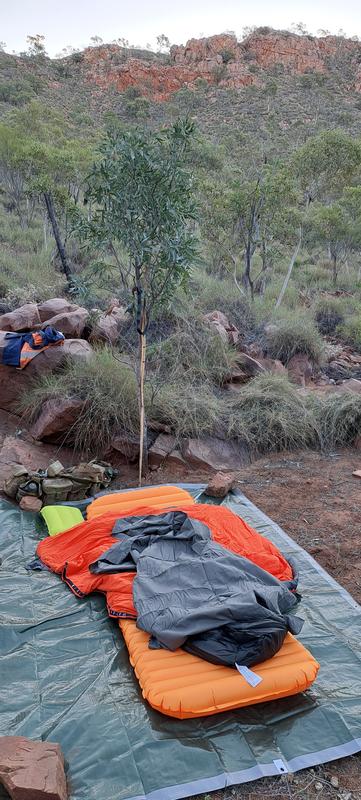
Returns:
(74, 22)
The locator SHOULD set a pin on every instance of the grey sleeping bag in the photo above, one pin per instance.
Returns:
(191, 592)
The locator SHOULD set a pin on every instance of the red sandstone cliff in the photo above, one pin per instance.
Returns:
(221, 60)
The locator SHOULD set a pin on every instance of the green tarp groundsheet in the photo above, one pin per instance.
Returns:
(66, 677)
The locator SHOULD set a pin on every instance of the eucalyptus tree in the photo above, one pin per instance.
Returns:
(141, 222)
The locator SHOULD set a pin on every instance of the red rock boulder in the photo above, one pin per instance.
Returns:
(124, 449)
(165, 451)
(56, 417)
(214, 453)
(300, 369)
(220, 484)
(57, 305)
(32, 770)
(70, 323)
(14, 382)
(108, 326)
(24, 318)
(228, 332)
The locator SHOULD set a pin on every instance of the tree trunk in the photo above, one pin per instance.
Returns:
(246, 277)
(289, 271)
(260, 284)
(61, 250)
(141, 329)
(334, 268)
(143, 450)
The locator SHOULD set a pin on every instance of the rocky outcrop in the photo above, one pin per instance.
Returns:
(123, 449)
(33, 456)
(30, 770)
(220, 48)
(14, 382)
(351, 385)
(297, 54)
(219, 60)
(221, 324)
(165, 450)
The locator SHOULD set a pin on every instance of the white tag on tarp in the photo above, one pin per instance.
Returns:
(249, 676)
(280, 766)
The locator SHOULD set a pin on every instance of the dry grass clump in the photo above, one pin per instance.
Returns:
(190, 410)
(270, 414)
(294, 335)
(193, 353)
(339, 418)
(329, 314)
(110, 391)
(350, 331)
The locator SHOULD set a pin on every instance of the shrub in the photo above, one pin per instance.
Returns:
(210, 293)
(137, 108)
(16, 92)
(297, 334)
(351, 331)
(227, 56)
(189, 409)
(109, 389)
(270, 414)
(193, 353)
(340, 419)
(329, 313)
(132, 92)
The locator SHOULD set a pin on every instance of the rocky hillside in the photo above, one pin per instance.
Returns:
(317, 81)
(223, 61)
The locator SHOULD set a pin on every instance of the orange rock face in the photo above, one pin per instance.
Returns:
(219, 60)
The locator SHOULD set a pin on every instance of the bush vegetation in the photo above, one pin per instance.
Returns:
(329, 314)
(339, 419)
(246, 151)
(108, 388)
(270, 414)
(350, 331)
(296, 334)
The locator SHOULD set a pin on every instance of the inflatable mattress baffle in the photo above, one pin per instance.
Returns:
(181, 685)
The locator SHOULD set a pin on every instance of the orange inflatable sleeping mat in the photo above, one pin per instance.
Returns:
(156, 496)
(181, 685)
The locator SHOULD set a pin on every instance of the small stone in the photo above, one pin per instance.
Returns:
(220, 484)
(30, 503)
(318, 786)
(334, 781)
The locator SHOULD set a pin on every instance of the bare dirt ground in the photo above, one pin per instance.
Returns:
(316, 500)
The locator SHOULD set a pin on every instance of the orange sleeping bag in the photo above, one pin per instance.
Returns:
(70, 553)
